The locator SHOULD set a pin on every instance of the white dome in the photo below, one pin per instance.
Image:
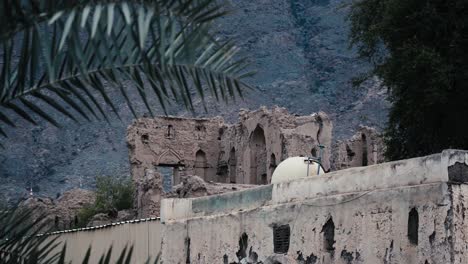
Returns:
(294, 168)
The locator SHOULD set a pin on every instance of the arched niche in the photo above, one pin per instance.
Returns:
(232, 166)
(200, 164)
(258, 157)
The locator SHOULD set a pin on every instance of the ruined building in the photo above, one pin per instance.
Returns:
(402, 212)
(164, 149)
(246, 152)
(408, 211)
(364, 148)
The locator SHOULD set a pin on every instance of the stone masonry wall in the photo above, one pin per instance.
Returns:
(246, 152)
(264, 138)
(187, 146)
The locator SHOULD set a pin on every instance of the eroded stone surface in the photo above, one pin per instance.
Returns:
(166, 149)
(364, 148)
(61, 213)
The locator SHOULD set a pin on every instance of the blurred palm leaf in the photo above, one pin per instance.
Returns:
(62, 54)
(22, 242)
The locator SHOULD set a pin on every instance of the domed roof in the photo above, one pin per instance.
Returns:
(294, 168)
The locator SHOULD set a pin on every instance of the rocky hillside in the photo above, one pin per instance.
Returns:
(300, 50)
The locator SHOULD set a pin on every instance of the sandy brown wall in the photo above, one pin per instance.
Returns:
(144, 236)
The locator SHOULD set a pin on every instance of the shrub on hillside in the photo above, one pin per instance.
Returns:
(112, 195)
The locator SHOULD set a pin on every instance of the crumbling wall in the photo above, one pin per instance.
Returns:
(408, 211)
(149, 191)
(366, 147)
(243, 153)
(61, 213)
(285, 135)
(353, 228)
(174, 143)
(246, 152)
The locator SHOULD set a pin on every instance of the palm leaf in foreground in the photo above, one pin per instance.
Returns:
(64, 55)
(21, 242)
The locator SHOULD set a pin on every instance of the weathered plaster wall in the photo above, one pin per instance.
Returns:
(144, 235)
(410, 211)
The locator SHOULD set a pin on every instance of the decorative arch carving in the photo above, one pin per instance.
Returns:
(169, 157)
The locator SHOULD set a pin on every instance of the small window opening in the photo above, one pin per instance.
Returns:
(350, 153)
(220, 133)
(264, 178)
(145, 138)
(272, 163)
(364, 150)
(413, 226)
(314, 152)
(328, 231)
(170, 132)
(200, 131)
(281, 237)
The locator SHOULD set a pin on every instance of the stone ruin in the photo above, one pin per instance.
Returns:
(165, 150)
(364, 148)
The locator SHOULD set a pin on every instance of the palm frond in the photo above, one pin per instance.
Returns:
(65, 55)
(22, 242)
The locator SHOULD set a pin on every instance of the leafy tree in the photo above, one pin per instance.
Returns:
(112, 195)
(419, 49)
(62, 54)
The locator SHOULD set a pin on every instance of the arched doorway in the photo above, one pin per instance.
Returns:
(258, 157)
(200, 164)
(232, 166)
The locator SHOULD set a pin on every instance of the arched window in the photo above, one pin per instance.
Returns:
(413, 226)
(258, 157)
(200, 164)
(170, 132)
(328, 231)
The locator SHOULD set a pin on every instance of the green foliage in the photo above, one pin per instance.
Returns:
(85, 214)
(112, 195)
(60, 55)
(420, 51)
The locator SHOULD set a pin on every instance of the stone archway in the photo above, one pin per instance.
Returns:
(258, 157)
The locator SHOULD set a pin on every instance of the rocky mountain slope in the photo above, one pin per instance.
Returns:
(300, 50)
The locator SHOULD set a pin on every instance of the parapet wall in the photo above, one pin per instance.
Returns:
(409, 211)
